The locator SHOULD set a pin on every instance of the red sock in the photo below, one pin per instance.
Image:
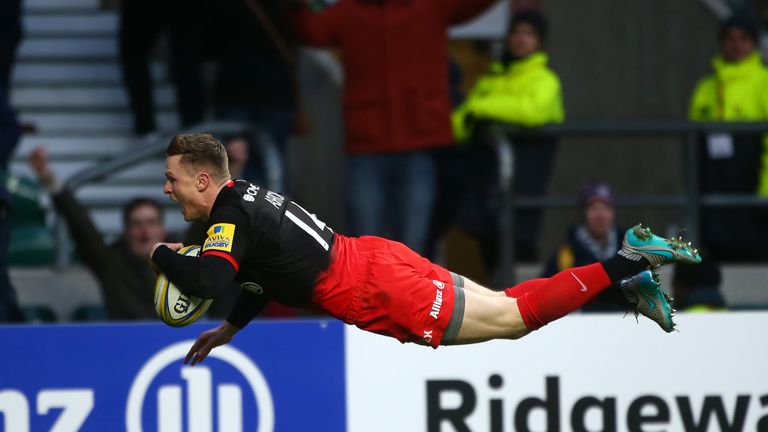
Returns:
(561, 294)
(523, 287)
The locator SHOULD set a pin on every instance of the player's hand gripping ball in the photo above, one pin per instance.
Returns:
(174, 307)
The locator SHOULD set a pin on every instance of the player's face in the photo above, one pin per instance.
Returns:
(523, 40)
(144, 229)
(181, 186)
(599, 218)
(736, 44)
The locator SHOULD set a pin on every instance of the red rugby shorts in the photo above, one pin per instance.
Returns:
(384, 287)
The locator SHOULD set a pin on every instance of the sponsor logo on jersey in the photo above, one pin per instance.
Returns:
(438, 303)
(250, 193)
(220, 237)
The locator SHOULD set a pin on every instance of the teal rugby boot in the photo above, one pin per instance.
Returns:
(641, 243)
(644, 292)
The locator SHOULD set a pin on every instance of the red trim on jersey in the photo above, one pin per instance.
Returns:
(230, 183)
(226, 256)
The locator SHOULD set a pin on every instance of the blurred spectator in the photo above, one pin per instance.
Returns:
(256, 82)
(697, 289)
(10, 35)
(238, 154)
(121, 268)
(142, 22)
(9, 309)
(731, 163)
(397, 104)
(521, 90)
(596, 238)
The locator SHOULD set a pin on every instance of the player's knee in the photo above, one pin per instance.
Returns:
(513, 320)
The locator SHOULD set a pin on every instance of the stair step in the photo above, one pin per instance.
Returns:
(53, 73)
(74, 24)
(111, 97)
(90, 147)
(92, 122)
(67, 81)
(150, 172)
(60, 5)
(68, 48)
(102, 193)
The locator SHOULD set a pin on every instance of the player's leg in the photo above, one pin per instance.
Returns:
(489, 316)
(470, 285)
(514, 312)
(514, 292)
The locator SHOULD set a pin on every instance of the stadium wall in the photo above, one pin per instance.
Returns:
(625, 60)
(582, 373)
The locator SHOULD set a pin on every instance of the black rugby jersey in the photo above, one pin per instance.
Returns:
(275, 245)
(269, 245)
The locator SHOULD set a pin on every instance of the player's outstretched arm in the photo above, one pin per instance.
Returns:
(209, 340)
(205, 276)
(172, 246)
(248, 305)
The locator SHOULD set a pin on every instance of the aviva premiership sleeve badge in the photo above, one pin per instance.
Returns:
(220, 237)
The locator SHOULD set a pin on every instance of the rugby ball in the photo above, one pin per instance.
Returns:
(174, 307)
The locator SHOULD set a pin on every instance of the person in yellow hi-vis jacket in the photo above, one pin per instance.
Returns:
(737, 164)
(522, 90)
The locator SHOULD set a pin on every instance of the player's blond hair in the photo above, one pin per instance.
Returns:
(201, 152)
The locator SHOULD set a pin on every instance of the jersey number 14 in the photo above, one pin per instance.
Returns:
(308, 222)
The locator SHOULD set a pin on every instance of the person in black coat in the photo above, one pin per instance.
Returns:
(10, 35)
(142, 22)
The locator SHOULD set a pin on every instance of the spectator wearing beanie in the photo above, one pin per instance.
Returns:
(591, 240)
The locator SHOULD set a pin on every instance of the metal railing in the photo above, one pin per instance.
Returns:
(691, 200)
(154, 146)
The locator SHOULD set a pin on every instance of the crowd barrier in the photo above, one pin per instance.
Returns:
(690, 200)
(581, 373)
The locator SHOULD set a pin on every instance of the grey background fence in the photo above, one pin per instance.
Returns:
(689, 136)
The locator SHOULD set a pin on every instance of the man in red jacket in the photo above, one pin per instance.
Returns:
(397, 104)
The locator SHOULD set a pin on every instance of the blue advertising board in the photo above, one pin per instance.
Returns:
(274, 375)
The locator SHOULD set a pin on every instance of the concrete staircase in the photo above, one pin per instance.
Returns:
(67, 82)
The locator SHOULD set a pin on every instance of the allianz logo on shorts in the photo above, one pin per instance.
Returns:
(228, 393)
(437, 305)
